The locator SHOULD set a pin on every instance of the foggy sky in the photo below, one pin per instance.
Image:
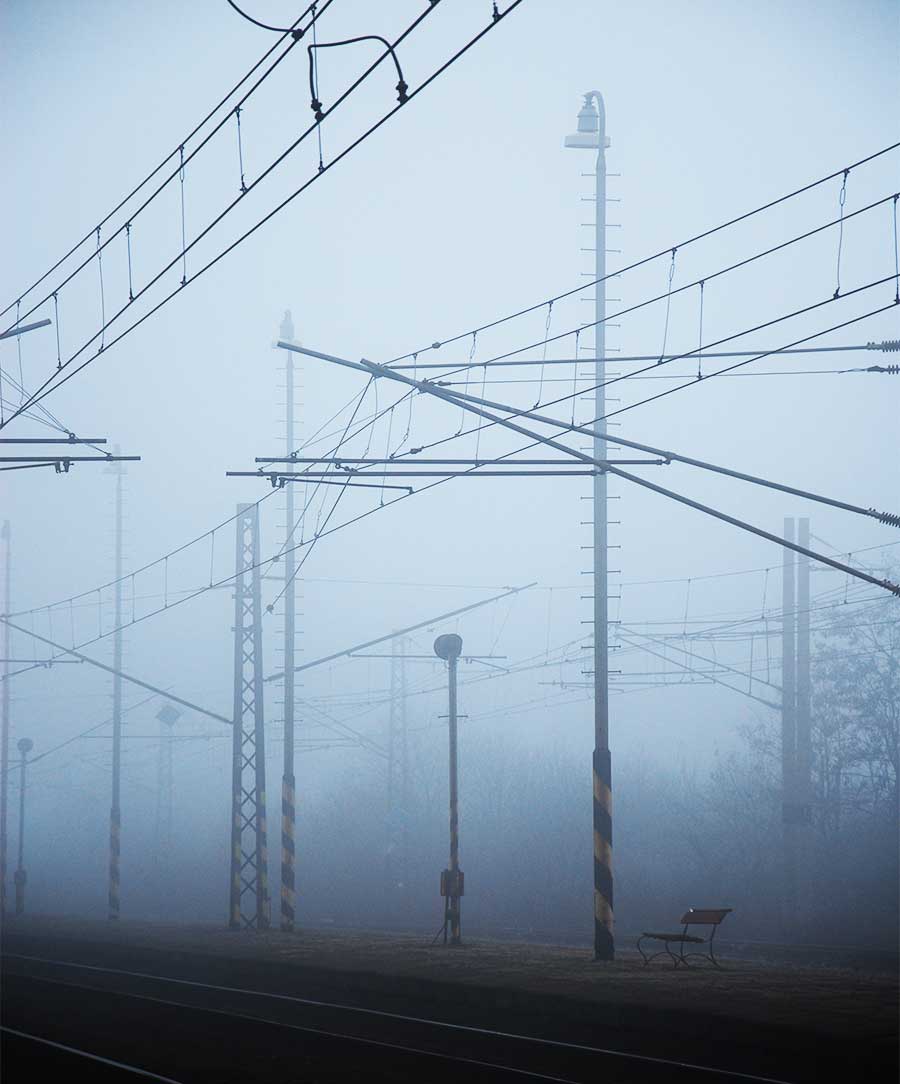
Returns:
(462, 208)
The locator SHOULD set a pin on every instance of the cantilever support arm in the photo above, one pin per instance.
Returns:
(121, 673)
(468, 403)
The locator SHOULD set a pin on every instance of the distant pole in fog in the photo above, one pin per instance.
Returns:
(248, 885)
(803, 714)
(167, 716)
(288, 807)
(796, 746)
(6, 535)
(25, 747)
(397, 856)
(448, 647)
(115, 812)
(804, 683)
(591, 135)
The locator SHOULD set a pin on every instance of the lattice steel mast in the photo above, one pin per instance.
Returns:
(249, 889)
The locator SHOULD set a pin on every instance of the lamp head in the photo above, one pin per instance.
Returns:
(448, 646)
(591, 118)
(25, 745)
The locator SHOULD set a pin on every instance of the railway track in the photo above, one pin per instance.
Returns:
(108, 1014)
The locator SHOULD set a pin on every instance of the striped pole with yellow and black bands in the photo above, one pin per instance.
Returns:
(115, 847)
(287, 852)
(604, 948)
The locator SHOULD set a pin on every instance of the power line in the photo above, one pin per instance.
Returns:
(172, 154)
(648, 259)
(708, 277)
(51, 384)
(265, 26)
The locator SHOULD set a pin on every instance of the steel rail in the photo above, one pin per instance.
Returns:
(464, 1028)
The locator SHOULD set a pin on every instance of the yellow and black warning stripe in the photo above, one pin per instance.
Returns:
(604, 948)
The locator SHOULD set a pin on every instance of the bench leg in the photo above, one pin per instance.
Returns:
(662, 952)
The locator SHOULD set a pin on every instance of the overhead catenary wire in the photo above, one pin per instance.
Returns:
(435, 345)
(693, 382)
(168, 158)
(175, 174)
(50, 384)
(884, 347)
(706, 278)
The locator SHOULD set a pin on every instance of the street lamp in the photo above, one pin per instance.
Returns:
(25, 747)
(449, 647)
(591, 135)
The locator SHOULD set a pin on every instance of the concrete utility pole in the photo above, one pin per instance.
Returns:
(6, 535)
(397, 855)
(591, 135)
(288, 807)
(249, 883)
(25, 747)
(115, 812)
(449, 647)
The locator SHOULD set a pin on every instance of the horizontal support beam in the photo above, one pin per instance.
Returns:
(472, 473)
(53, 440)
(279, 478)
(410, 460)
(70, 459)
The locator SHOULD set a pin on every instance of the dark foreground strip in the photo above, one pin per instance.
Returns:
(410, 1019)
(496, 1066)
(85, 1054)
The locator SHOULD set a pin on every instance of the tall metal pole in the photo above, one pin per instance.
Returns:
(592, 133)
(6, 535)
(288, 807)
(789, 732)
(803, 718)
(25, 746)
(115, 812)
(397, 857)
(448, 647)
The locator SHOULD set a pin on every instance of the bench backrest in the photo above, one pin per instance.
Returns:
(704, 917)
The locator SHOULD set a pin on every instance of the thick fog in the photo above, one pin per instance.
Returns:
(462, 208)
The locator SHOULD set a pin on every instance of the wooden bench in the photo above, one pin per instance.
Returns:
(692, 917)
